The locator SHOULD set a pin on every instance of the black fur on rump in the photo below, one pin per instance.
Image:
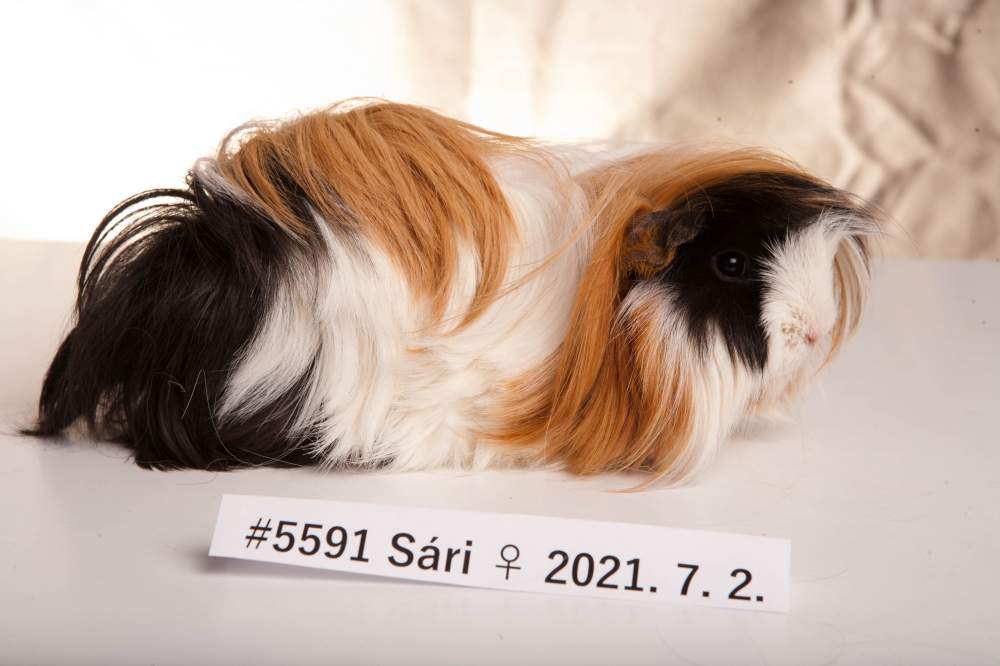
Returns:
(173, 286)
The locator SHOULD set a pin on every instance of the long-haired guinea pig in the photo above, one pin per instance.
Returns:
(377, 285)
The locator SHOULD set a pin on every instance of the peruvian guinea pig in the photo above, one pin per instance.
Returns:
(377, 285)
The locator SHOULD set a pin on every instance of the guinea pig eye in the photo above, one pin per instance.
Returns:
(732, 265)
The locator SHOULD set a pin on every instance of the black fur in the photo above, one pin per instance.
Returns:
(173, 286)
(751, 213)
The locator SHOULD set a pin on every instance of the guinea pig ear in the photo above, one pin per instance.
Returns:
(652, 240)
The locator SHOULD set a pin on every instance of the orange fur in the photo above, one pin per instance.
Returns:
(413, 181)
(851, 293)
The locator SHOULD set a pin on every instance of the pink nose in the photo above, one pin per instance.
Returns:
(812, 337)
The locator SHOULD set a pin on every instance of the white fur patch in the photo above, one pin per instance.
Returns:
(800, 306)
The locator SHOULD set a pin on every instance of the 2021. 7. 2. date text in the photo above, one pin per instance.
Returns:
(607, 572)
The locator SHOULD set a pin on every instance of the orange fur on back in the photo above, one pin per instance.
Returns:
(413, 181)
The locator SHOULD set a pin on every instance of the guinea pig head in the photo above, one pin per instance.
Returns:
(718, 285)
(761, 274)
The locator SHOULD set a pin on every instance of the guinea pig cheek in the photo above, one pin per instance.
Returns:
(799, 310)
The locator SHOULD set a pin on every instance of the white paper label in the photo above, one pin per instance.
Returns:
(509, 551)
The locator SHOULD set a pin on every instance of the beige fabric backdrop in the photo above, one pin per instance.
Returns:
(899, 101)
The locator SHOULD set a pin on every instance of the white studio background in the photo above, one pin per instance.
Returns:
(103, 100)
(898, 101)
(106, 99)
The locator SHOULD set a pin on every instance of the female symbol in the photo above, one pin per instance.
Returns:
(509, 555)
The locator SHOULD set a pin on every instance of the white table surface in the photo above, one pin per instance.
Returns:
(887, 482)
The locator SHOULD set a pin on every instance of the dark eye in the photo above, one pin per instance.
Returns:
(732, 265)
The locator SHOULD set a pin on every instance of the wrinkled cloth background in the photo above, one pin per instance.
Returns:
(898, 101)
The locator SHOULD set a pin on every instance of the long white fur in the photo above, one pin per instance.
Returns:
(389, 386)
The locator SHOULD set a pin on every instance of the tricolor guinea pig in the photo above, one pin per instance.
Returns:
(377, 285)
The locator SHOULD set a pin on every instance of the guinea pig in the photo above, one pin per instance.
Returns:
(377, 285)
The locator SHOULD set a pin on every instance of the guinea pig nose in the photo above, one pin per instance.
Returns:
(812, 337)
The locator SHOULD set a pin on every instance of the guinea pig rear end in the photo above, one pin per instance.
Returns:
(173, 286)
